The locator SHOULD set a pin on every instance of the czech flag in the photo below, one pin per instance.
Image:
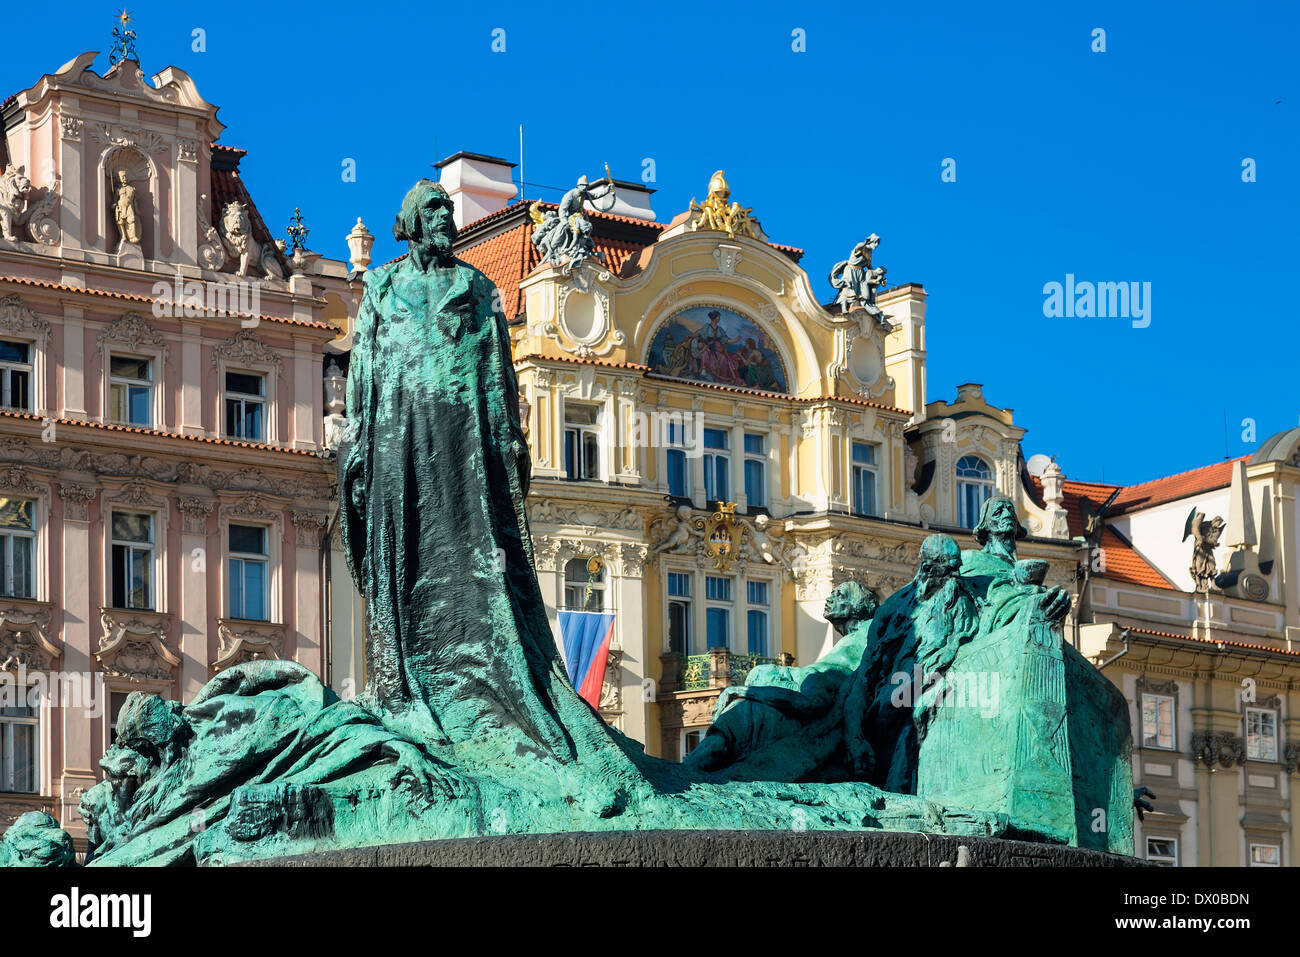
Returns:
(586, 636)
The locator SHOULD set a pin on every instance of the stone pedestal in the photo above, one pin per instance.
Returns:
(713, 849)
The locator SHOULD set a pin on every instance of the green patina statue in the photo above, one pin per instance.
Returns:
(469, 726)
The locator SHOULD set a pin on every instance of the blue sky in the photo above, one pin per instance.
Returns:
(1117, 166)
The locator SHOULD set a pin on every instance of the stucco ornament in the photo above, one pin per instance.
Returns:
(468, 724)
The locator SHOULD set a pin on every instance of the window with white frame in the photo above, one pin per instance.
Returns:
(756, 624)
(974, 488)
(130, 390)
(1265, 855)
(577, 578)
(691, 738)
(16, 375)
(864, 479)
(675, 461)
(1261, 734)
(717, 611)
(248, 565)
(581, 442)
(755, 470)
(717, 465)
(1163, 851)
(245, 402)
(1158, 721)
(679, 613)
(132, 560)
(19, 749)
(17, 548)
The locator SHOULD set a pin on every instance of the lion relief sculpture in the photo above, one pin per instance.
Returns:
(237, 237)
(14, 187)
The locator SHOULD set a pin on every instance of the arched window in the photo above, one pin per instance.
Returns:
(974, 488)
(577, 576)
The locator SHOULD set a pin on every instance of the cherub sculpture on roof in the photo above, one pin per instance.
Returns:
(563, 235)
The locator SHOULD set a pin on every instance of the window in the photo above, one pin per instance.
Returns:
(756, 616)
(1158, 721)
(864, 479)
(576, 578)
(1265, 855)
(717, 484)
(17, 546)
(691, 740)
(19, 742)
(677, 472)
(16, 375)
(974, 488)
(132, 564)
(755, 471)
(679, 613)
(581, 442)
(245, 406)
(116, 699)
(717, 612)
(1163, 851)
(249, 564)
(1261, 734)
(130, 390)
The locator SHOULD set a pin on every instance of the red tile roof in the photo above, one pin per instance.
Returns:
(1213, 640)
(507, 257)
(136, 430)
(1173, 487)
(1123, 563)
(148, 301)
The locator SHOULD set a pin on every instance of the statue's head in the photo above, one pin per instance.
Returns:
(998, 517)
(761, 520)
(582, 182)
(121, 176)
(940, 560)
(848, 605)
(426, 218)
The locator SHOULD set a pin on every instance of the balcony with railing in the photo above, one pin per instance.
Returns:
(717, 668)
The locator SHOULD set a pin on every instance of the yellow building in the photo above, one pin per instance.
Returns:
(728, 446)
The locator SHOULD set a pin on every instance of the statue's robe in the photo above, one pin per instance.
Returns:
(911, 639)
(459, 649)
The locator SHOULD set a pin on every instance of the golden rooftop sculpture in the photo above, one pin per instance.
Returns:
(714, 213)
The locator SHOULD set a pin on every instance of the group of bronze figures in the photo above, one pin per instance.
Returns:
(468, 725)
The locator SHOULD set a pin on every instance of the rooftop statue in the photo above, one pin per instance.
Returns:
(563, 235)
(716, 213)
(468, 724)
(857, 280)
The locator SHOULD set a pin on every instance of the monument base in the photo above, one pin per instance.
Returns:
(712, 849)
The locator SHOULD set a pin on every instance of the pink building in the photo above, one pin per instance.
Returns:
(164, 487)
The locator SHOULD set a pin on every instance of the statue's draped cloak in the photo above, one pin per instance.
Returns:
(432, 513)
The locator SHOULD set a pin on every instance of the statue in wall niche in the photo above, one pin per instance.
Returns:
(1205, 534)
(468, 724)
(126, 210)
(857, 280)
(237, 237)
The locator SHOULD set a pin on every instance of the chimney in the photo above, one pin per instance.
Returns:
(632, 200)
(479, 185)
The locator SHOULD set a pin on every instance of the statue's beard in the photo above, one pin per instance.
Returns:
(930, 580)
(434, 246)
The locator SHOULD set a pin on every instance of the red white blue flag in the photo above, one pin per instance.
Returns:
(586, 636)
